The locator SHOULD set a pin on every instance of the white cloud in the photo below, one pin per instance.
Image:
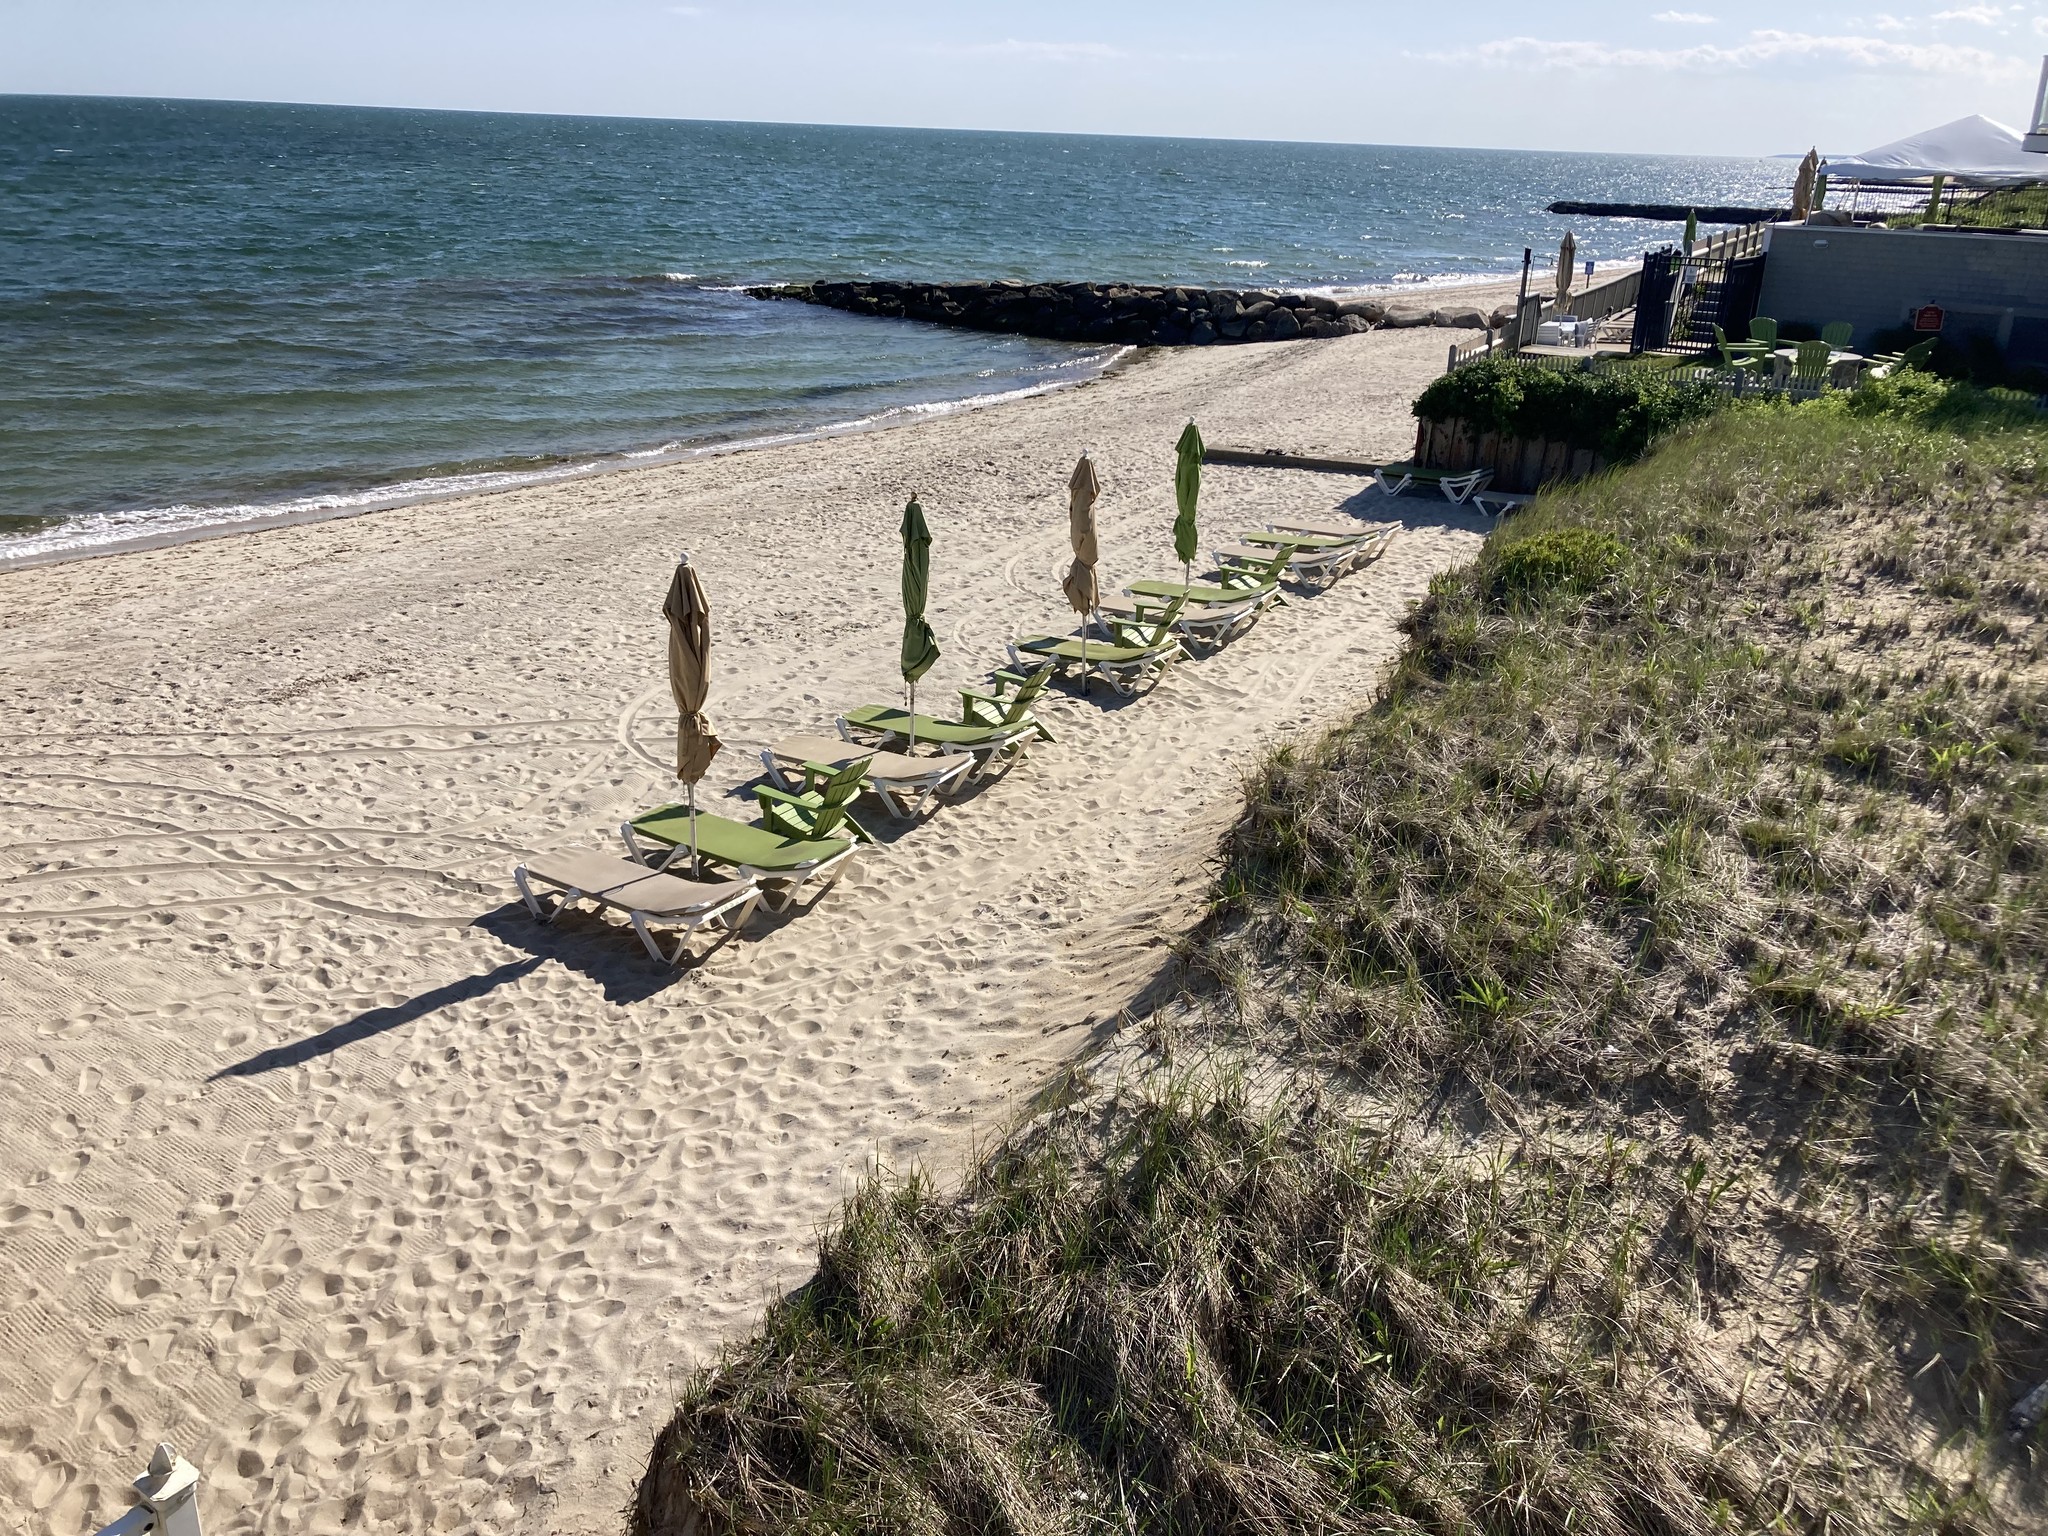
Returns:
(1762, 49)
(1982, 15)
(1034, 53)
(1685, 18)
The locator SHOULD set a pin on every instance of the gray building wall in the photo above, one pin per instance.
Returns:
(1988, 285)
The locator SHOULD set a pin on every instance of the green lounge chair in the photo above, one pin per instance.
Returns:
(1763, 331)
(997, 730)
(1308, 564)
(1273, 538)
(1138, 652)
(1396, 478)
(819, 809)
(1915, 356)
(780, 864)
(1228, 586)
(1211, 622)
(1007, 700)
(1836, 334)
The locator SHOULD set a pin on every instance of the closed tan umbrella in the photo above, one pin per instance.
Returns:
(1567, 253)
(689, 680)
(1082, 596)
(1802, 186)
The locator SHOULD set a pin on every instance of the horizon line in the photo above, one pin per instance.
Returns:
(752, 122)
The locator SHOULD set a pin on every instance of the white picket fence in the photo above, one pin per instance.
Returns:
(170, 1499)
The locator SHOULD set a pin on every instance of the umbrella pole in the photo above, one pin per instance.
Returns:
(912, 748)
(696, 864)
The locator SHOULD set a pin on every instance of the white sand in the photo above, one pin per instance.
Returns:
(395, 1210)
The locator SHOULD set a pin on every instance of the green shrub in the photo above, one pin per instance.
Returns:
(1558, 559)
(1617, 414)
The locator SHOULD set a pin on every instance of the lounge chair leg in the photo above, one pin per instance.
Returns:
(639, 922)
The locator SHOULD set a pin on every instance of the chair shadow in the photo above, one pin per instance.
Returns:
(1415, 510)
(377, 1021)
(608, 953)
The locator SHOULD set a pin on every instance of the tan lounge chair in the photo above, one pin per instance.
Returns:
(905, 785)
(643, 895)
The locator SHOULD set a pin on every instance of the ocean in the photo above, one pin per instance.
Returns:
(218, 312)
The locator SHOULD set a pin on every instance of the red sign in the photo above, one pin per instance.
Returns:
(1927, 318)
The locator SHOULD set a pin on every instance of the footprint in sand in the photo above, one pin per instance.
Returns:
(125, 1288)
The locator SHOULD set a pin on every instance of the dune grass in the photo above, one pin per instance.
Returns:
(1624, 1107)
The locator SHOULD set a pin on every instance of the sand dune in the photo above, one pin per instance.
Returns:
(395, 1210)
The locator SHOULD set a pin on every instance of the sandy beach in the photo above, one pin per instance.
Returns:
(395, 1210)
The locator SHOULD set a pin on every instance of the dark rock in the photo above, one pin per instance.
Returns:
(1281, 325)
(1256, 331)
(1322, 329)
(1233, 330)
(1353, 325)
(1321, 303)
(1258, 309)
(1202, 334)
(1371, 310)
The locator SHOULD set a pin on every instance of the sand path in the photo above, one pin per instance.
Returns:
(395, 1210)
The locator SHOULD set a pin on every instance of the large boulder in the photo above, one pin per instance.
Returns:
(1463, 318)
(1372, 311)
(1406, 315)
(1202, 334)
(1282, 326)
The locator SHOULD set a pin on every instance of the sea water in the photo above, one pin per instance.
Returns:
(216, 312)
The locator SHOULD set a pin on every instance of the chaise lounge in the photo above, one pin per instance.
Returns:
(645, 896)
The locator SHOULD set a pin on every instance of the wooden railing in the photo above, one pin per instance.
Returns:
(1608, 298)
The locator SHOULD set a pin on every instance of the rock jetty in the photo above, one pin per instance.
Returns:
(1121, 312)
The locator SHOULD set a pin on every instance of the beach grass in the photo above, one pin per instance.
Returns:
(1611, 1093)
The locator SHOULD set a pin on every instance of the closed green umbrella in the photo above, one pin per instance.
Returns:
(1187, 485)
(920, 645)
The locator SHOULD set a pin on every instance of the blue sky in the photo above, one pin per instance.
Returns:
(1696, 76)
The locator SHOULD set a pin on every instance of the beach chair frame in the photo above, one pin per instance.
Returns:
(567, 893)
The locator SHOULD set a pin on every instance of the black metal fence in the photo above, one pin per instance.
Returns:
(1684, 298)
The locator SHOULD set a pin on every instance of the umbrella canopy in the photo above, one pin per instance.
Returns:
(1082, 490)
(1187, 487)
(1567, 253)
(689, 671)
(920, 645)
(1802, 185)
